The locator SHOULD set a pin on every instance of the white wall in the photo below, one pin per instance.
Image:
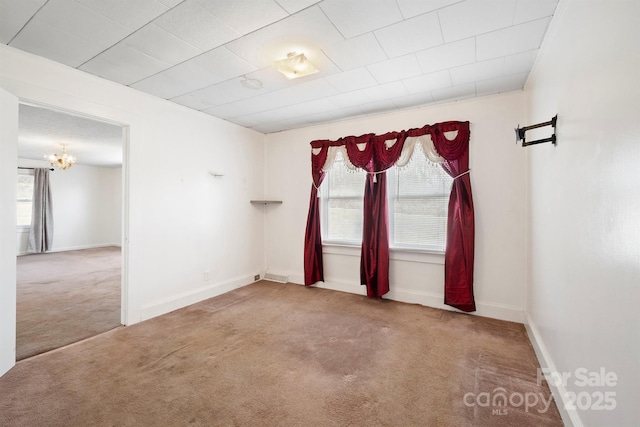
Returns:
(87, 207)
(583, 288)
(181, 221)
(498, 182)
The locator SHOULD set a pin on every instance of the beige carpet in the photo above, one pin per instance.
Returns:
(273, 354)
(65, 297)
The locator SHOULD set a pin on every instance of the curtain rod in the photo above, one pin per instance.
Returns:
(21, 167)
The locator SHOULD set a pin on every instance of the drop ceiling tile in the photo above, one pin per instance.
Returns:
(13, 16)
(181, 79)
(298, 122)
(413, 100)
(307, 32)
(348, 81)
(386, 91)
(527, 10)
(411, 35)
(193, 100)
(519, 63)
(377, 107)
(86, 23)
(477, 71)
(395, 69)
(218, 94)
(347, 16)
(238, 108)
(293, 6)
(246, 121)
(49, 42)
(428, 82)
(447, 56)
(298, 94)
(131, 14)
(501, 84)
(170, 3)
(454, 93)
(411, 8)
(286, 113)
(123, 64)
(473, 17)
(307, 108)
(350, 99)
(271, 127)
(223, 63)
(192, 23)
(273, 79)
(356, 52)
(308, 91)
(245, 16)
(334, 115)
(519, 38)
(160, 45)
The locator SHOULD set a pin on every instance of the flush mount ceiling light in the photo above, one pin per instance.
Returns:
(295, 65)
(64, 162)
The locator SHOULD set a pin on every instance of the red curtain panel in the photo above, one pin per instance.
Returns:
(313, 266)
(458, 261)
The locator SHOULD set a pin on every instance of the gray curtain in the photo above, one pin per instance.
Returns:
(41, 232)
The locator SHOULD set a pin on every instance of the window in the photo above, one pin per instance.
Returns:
(417, 196)
(25, 198)
(342, 199)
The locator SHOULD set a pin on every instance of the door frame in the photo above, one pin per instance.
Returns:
(125, 290)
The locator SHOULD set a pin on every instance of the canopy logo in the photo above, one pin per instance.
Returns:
(498, 400)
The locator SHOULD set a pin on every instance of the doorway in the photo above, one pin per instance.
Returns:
(74, 290)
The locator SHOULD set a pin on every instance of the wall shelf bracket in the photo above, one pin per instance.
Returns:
(266, 202)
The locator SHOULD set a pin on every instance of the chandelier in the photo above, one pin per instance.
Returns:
(64, 162)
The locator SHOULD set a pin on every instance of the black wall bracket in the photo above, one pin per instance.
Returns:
(521, 130)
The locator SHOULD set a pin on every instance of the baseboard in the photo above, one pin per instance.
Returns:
(167, 305)
(429, 299)
(570, 418)
(76, 248)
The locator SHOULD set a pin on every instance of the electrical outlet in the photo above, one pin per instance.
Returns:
(256, 277)
(207, 273)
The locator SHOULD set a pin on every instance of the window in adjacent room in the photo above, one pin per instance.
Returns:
(25, 197)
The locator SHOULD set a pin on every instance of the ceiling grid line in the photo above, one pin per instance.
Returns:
(27, 23)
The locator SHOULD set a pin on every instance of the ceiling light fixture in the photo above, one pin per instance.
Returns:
(295, 65)
(64, 162)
